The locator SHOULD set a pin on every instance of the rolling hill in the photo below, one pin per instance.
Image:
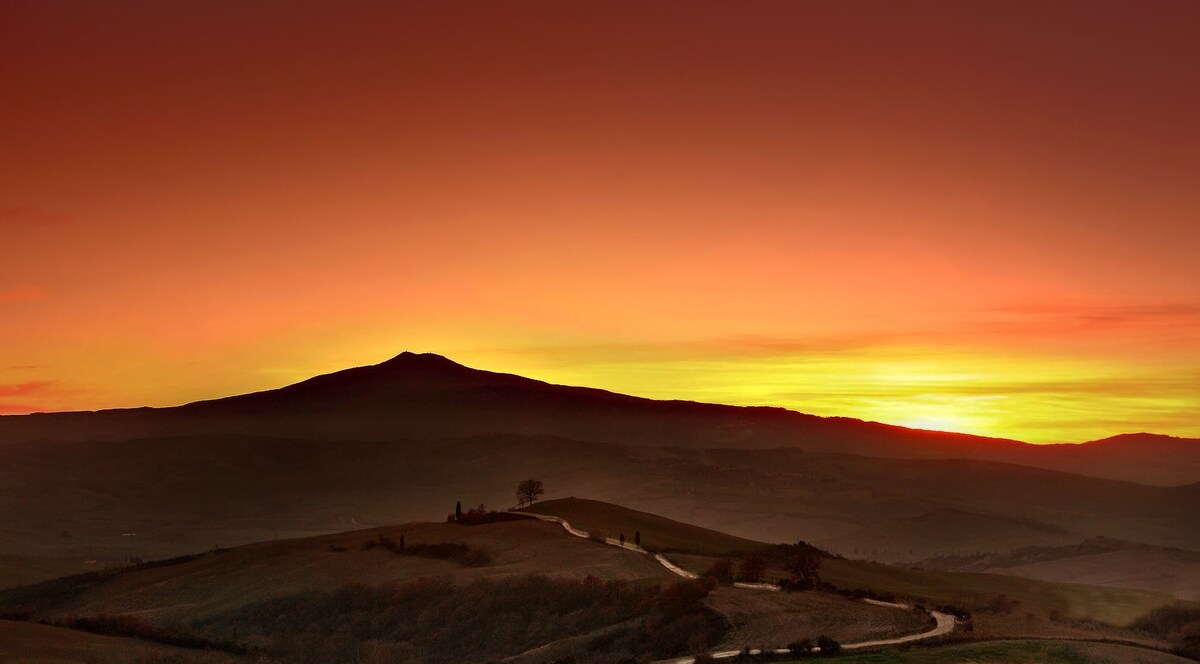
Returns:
(199, 586)
(153, 498)
(428, 397)
(266, 599)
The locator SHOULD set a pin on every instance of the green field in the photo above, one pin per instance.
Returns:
(1017, 652)
(658, 533)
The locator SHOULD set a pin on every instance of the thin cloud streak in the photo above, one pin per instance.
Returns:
(25, 294)
(16, 216)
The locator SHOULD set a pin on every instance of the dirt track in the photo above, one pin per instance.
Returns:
(765, 629)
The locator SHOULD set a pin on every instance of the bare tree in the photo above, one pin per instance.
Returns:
(529, 491)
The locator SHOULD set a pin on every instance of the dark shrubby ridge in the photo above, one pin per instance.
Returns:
(435, 621)
(124, 625)
(1178, 624)
(134, 627)
(458, 552)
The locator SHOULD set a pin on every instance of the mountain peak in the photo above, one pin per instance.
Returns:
(423, 360)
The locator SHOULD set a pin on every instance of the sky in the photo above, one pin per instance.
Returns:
(970, 216)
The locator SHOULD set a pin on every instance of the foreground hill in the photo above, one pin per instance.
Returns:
(259, 599)
(527, 592)
(428, 397)
(197, 587)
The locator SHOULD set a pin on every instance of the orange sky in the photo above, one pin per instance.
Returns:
(974, 216)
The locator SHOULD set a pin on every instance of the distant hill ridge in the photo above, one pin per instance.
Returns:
(427, 396)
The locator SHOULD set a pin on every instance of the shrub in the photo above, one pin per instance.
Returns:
(721, 571)
(801, 648)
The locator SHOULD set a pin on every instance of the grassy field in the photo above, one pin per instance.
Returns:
(1018, 652)
(217, 582)
(658, 533)
(30, 643)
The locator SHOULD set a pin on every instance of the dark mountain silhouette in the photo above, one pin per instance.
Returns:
(426, 397)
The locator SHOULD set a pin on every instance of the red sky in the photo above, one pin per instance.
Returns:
(964, 215)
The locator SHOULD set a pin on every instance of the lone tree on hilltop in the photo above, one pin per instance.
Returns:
(529, 491)
(458, 511)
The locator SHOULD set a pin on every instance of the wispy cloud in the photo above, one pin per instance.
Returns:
(37, 387)
(23, 390)
(23, 294)
(1069, 317)
(27, 367)
(26, 216)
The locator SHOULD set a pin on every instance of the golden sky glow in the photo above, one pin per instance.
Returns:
(981, 217)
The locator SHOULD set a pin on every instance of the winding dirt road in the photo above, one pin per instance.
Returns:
(944, 622)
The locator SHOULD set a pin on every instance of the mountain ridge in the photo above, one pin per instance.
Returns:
(428, 396)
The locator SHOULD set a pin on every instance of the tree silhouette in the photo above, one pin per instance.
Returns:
(637, 537)
(529, 491)
(458, 510)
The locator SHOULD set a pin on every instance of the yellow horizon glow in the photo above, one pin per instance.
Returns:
(1024, 395)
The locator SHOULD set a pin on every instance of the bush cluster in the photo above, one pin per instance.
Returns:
(1179, 624)
(455, 551)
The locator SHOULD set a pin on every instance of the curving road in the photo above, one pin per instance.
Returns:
(944, 622)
